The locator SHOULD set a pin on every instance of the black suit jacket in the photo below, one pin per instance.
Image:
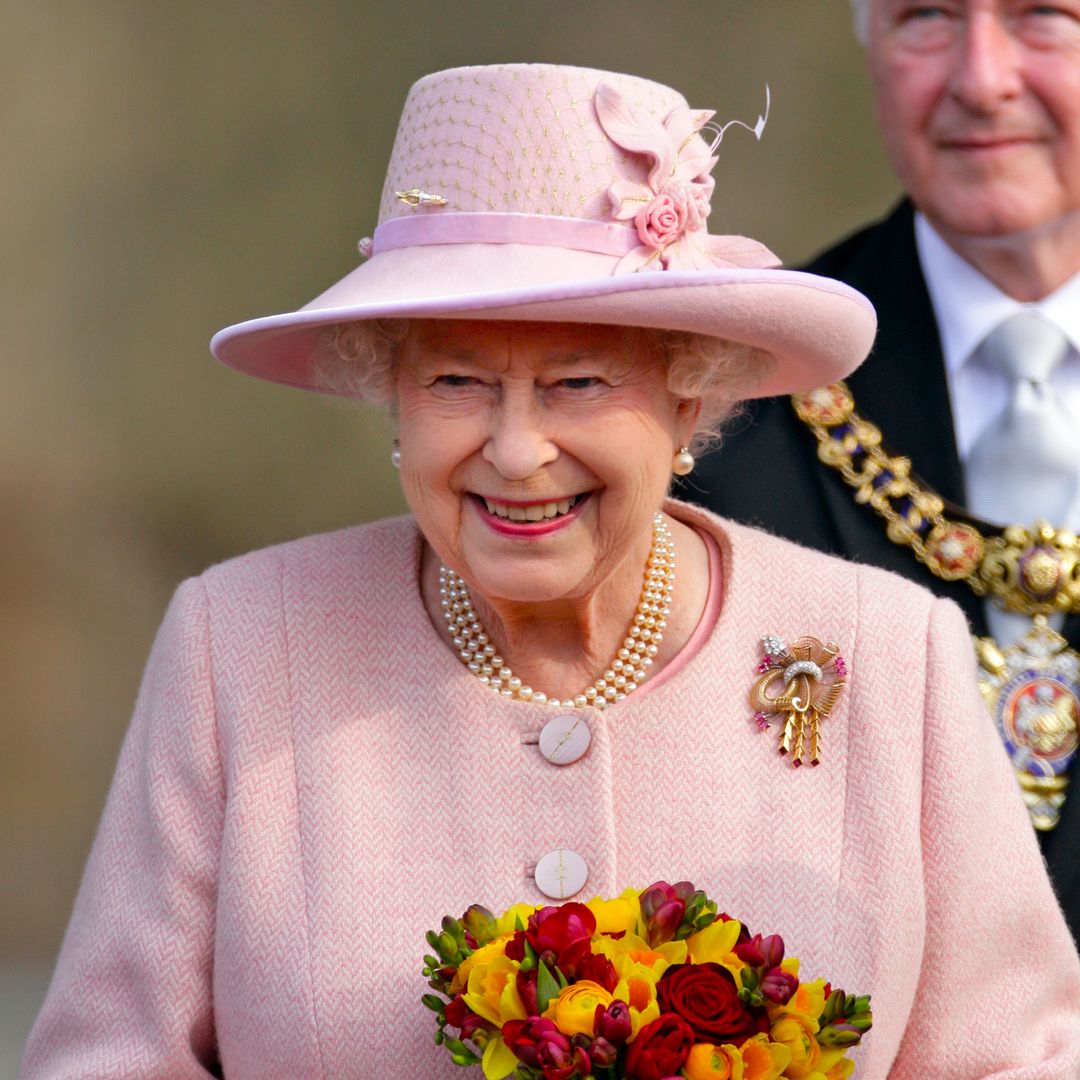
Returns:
(767, 472)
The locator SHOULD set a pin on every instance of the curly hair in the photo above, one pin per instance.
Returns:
(358, 360)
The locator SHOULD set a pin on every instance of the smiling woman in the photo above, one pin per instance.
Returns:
(547, 680)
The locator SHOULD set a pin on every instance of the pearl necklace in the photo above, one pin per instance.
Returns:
(631, 664)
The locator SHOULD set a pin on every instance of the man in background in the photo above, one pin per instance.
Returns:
(966, 417)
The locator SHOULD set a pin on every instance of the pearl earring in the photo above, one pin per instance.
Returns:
(682, 464)
(395, 455)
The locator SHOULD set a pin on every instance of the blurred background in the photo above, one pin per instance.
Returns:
(172, 168)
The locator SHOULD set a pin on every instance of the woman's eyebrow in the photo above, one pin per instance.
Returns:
(576, 355)
(432, 353)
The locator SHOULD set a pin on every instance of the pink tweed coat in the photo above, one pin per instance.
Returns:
(312, 779)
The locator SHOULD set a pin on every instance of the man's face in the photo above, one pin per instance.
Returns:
(978, 103)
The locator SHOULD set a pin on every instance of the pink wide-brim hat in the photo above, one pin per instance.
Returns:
(541, 192)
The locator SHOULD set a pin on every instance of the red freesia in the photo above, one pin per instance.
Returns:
(557, 928)
(663, 906)
(778, 985)
(761, 951)
(564, 933)
(706, 998)
(598, 969)
(459, 1015)
(602, 1054)
(538, 1043)
(526, 988)
(613, 1024)
(660, 1049)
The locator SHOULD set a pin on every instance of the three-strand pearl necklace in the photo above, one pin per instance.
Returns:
(631, 663)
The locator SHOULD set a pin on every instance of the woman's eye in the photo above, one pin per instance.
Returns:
(580, 382)
(455, 380)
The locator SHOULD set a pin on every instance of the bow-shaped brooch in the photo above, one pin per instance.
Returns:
(801, 684)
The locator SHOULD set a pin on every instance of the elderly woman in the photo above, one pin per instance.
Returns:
(542, 683)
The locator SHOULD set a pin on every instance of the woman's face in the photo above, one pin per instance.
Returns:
(534, 455)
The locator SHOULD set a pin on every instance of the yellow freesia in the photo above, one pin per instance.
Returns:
(498, 1060)
(574, 1009)
(808, 1001)
(484, 955)
(508, 921)
(492, 991)
(613, 916)
(713, 945)
(832, 1065)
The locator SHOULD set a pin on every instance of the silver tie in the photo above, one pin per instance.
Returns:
(1026, 463)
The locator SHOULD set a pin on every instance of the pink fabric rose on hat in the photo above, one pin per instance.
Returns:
(662, 221)
(669, 208)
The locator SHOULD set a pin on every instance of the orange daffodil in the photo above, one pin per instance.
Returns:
(647, 984)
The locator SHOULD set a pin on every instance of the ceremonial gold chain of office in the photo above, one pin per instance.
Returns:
(1033, 570)
(1031, 688)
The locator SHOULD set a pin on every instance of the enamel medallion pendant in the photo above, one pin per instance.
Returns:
(1032, 690)
(799, 685)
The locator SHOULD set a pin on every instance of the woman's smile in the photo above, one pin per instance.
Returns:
(529, 519)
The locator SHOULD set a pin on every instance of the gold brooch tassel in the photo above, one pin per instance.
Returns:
(802, 684)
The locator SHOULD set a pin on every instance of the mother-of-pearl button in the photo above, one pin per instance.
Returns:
(561, 873)
(565, 739)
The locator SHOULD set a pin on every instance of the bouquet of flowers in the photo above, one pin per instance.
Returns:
(645, 986)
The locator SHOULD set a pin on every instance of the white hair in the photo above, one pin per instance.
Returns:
(860, 9)
(358, 360)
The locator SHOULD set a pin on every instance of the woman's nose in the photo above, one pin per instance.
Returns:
(518, 445)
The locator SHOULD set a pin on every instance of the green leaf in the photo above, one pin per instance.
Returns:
(546, 987)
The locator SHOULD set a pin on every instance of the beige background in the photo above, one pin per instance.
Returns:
(172, 167)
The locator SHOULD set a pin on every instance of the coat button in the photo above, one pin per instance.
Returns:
(565, 739)
(561, 873)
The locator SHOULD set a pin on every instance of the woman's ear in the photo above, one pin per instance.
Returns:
(687, 414)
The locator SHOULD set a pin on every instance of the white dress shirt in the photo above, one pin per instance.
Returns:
(967, 306)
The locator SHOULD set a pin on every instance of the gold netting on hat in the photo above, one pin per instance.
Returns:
(516, 139)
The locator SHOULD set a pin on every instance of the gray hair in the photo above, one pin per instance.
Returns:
(860, 9)
(358, 360)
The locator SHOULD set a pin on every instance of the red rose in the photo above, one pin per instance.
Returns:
(660, 1049)
(705, 996)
